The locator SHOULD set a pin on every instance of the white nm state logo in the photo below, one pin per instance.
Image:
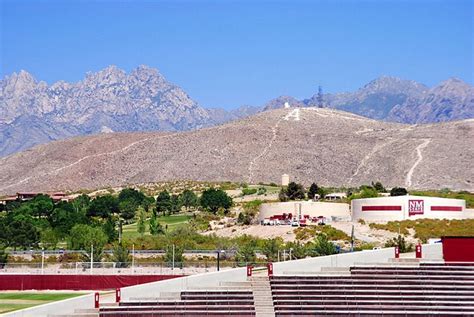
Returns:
(416, 207)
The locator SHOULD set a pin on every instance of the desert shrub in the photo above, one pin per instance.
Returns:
(401, 243)
(430, 228)
(248, 191)
(305, 233)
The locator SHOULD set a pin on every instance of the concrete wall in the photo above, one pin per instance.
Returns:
(64, 307)
(336, 260)
(208, 280)
(404, 213)
(311, 208)
(432, 252)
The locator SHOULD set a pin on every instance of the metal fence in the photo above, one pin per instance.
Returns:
(129, 268)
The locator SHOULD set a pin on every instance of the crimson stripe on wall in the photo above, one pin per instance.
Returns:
(446, 208)
(75, 282)
(380, 208)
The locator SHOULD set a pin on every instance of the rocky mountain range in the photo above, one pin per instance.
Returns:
(33, 112)
(406, 101)
(330, 147)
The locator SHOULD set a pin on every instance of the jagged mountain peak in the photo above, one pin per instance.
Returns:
(140, 100)
(390, 84)
(453, 83)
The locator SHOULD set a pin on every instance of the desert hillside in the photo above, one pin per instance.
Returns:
(330, 147)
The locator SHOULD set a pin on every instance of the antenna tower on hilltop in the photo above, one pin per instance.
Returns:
(320, 97)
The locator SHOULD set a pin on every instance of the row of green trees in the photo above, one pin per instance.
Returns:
(295, 191)
(85, 221)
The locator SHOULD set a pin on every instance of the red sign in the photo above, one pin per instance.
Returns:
(416, 207)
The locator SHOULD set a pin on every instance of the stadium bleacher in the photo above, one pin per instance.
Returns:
(191, 303)
(389, 289)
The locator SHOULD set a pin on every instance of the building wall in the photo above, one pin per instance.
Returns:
(458, 249)
(383, 209)
(311, 208)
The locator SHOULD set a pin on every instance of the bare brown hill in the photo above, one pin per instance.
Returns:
(323, 145)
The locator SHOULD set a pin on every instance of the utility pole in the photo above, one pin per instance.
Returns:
(92, 257)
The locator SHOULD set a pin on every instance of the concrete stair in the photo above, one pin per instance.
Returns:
(262, 294)
(92, 312)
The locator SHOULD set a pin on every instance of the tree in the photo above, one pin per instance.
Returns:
(19, 230)
(378, 187)
(148, 203)
(103, 207)
(322, 246)
(398, 191)
(298, 250)
(189, 199)
(3, 257)
(271, 247)
(155, 227)
(175, 204)
(128, 209)
(49, 238)
(282, 195)
(129, 200)
(163, 202)
(81, 204)
(83, 237)
(401, 243)
(65, 216)
(141, 220)
(41, 206)
(313, 190)
(246, 253)
(214, 199)
(121, 255)
(295, 191)
(367, 192)
(110, 230)
(131, 194)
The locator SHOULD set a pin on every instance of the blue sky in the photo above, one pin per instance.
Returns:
(230, 53)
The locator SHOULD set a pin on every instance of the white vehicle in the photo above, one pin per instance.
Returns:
(266, 222)
(277, 222)
(295, 223)
(272, 222)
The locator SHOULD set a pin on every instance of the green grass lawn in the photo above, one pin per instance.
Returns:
(130, 231)
(10, 301)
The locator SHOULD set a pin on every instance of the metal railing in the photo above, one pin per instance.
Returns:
(128, 268)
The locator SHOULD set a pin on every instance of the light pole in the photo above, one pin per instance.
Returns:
(219, 258)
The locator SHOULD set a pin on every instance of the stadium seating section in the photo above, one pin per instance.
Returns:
(420, 289)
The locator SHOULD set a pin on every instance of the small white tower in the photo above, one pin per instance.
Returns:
(287, 105)
(285, 179)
